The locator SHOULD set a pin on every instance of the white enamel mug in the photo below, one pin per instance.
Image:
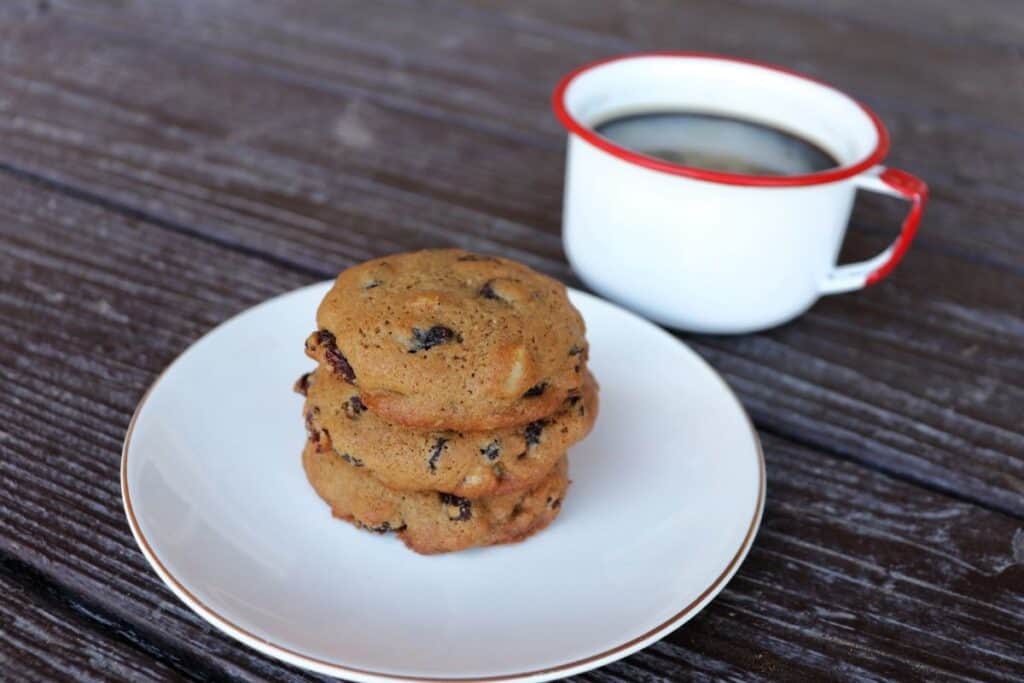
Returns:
(709, 251)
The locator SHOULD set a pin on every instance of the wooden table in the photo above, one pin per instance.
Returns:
(164, 165)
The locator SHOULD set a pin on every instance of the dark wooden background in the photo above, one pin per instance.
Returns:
(164, 165)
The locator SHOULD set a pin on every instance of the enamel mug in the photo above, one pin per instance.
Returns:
(709, 251)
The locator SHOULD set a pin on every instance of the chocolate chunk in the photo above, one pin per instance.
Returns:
(336, 359)
(475, 257)
(435, 454)
(301, 385)
(575, 350)
(372, 283)
(536, 390)
(487, 291)
(533, 430)
(491, 451)
(352, 460)
(458, 509)
(382, 529)
(428, 339)
(354, 407)
(313, 432)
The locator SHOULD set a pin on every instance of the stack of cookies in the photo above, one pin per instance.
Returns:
(448, 389)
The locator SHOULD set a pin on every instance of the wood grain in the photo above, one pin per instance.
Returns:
(439, 72)
(993, 24)
(45, 636)
(164, 165)
(921, 377)
(84, 296)
(884, 59)
(852, 566)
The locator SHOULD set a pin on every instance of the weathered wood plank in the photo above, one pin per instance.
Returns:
(982, 171)
(883, 60)
(84, 296)
(829, 529)
(995, 24)
(521, 43)
(855, 574)
(444, 62)
(921, 377)
(45, 636)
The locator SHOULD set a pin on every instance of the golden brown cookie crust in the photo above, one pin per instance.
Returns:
(448, 339)
(433, 522)
(467, 464)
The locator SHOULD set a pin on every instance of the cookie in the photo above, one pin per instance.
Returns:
(447, 339)
(432, 522)
(466, 464)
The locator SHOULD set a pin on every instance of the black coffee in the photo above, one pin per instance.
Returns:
(717, 143)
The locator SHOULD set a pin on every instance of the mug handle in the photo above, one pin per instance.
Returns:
(896, 183)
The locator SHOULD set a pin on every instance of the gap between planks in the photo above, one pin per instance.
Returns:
(51, 595)
(141, 215)
(779, 431)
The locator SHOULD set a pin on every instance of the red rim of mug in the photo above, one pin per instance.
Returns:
(573, 125)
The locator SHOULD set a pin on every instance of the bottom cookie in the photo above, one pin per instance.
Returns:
(431, 522)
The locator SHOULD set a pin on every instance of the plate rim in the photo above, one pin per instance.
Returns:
(312, 663)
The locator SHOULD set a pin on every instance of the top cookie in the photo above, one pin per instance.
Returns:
(453, 340)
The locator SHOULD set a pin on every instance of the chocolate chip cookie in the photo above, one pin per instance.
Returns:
(466, 464)
(448, 339)
(429, 521)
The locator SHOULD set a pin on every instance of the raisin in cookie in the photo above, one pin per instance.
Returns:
(433, 522)
(467, 464)
(447, 339)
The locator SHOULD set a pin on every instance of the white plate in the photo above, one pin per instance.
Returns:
(666, 498)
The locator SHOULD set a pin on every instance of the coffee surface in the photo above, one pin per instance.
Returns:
(717, 143)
